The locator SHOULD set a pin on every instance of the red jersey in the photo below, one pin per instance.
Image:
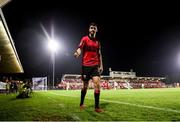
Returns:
(90, 48)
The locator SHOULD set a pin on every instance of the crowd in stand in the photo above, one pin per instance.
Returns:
(22, 88)
(12, 86)
(113, 84)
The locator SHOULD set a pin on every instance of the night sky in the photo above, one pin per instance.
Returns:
(141, 36)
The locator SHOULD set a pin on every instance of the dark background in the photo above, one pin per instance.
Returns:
(142, 36)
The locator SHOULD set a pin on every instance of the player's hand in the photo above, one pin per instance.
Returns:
(100, 69)
(76, 54)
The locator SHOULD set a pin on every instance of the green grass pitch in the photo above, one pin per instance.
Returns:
(119, 105)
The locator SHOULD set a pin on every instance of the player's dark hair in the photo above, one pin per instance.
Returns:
(92, 24)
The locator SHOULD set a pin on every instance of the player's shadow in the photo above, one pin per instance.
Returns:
(15, 98)
(104, 105)
(99, 116)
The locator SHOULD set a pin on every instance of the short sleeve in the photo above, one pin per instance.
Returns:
(82, 43)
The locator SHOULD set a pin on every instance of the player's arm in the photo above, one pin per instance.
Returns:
(77, 53)
(101, 62)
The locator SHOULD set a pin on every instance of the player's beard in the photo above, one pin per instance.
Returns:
(93, 34)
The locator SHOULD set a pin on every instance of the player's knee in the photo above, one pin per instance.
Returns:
(96, 79)
(85, 78)
(96, 85)
(85, 87)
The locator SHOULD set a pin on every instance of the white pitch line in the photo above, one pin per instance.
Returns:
(55, 101)
(52, 99)
(61, 105)
(130, 104)
(76, 117)
(142, 106)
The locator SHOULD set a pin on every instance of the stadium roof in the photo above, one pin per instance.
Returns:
(9, 60)
(4, 2)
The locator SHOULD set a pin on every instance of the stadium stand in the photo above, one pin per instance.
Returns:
(118, 79)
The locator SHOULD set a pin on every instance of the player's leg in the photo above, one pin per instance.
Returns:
(83, 93)
(96, 80)
(85, 79)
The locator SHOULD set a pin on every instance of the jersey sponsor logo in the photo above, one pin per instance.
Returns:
(91, 48)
